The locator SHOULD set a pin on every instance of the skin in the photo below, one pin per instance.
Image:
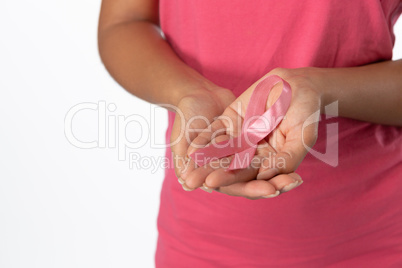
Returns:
(136, 55)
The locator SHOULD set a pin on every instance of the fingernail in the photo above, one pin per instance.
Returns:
(181, 181)
(272, 195)
(291, 186)
(185, 187)
(206, 189)
(268, 174)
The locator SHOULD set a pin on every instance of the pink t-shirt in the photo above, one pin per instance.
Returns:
(344, 216)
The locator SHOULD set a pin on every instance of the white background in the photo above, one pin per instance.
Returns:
(61, 206)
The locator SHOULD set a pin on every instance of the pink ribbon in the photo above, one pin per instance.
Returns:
(257, 125)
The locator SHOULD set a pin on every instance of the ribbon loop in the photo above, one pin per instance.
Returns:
(257, 125)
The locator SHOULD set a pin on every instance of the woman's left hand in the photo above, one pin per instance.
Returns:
(273, 168)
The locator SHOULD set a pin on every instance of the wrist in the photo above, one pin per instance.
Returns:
(320, 82)
(308, 81)
(194, 85)
(210, 95)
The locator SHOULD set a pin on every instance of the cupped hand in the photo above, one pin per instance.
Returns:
(193, 114)
(272, 170)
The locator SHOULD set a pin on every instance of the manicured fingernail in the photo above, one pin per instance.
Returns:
(181, 181)
(272, 195)
(291, 186)
(268, 174)
(185, 187)
(204, 185)
(206, 189)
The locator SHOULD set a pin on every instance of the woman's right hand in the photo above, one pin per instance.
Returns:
(194, 113)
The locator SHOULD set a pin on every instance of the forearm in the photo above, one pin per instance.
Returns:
(371, 93)
(143, 63)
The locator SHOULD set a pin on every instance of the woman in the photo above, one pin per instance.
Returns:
(212, 55)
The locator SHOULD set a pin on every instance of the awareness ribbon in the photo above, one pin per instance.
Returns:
(257, 125)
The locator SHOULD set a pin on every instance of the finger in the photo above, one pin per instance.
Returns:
(215, 173)
(191, 166)
(286, 182)
(254, 189)
(198, 176)
(222, 177)
(266, 154)
(285, 161)
(179, 145)
(229, 123)
(183, 132)
(217, 128)
(225, 127)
